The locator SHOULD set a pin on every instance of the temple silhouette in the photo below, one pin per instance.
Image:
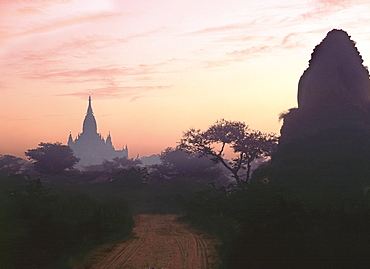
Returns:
(90, 146)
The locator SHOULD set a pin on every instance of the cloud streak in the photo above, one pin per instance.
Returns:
(241, 41)
(327, 7)
(112, 91)
(258, 46)
(219, 29)
(101, 73)
(69, 22)
(66, 61)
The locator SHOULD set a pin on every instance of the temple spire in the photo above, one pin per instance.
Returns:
(89, 146)
(89, 124)
(70, 139)
(89, 109)
(109, 139)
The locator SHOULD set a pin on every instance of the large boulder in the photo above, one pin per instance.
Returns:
(335, 76)
(328, 135)
(333, 92)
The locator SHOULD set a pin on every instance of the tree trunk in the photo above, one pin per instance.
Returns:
(249, 168)
(237, 178)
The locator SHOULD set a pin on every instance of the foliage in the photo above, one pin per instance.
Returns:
(131, 178)
(165, 196)
(247, 145)
(177, 163)
(11, 165)
(43, 229)
(119, 172)
(263, 226)
(52, 158)
(114, 165)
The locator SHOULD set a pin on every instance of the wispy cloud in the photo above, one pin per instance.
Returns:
(100, 73)
(325, 7)
(60, 61)
(239, 38)
(258, 46)
(218, 29)
(12, 119)
(238, 55)
(253, 50)
(112, 91)
(66, 22)
(140, 35)
(293, 40)
(29, 10)
(334, 2)
(256, 38)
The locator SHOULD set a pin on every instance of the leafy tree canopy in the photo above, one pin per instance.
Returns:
(177, 163)
(11, 165)
(114, 165)
(246, 144)
(52, 158)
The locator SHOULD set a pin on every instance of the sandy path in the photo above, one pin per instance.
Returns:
(159, 242)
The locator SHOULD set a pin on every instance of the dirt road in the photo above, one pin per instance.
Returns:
(159, 242)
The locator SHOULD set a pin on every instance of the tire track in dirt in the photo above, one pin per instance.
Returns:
(181, 249)
(159, 241)
(124, 254)
(203, 251)
(192, 237)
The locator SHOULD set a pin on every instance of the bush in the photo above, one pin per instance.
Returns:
(48, 230)
(265, 227)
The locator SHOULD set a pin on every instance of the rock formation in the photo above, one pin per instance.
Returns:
(335, 76)
(333, 92)
(330, 129)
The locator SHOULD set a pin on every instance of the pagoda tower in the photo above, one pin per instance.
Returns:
(90, 146)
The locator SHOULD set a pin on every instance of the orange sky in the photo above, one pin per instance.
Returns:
(157, 68)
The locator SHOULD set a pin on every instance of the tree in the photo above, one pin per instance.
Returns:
(11, 165)
(248, 145)
(114, 165)
(52, 158)
(121, 171)
(177, 163)
(120, 163)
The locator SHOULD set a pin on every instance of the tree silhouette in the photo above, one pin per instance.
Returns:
(11, 165)
(52, 158)
(247, 145)
(114, 165)
(177, 163)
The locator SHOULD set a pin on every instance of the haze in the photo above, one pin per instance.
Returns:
(156, 68)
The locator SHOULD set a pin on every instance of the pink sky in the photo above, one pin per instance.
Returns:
(157, 68)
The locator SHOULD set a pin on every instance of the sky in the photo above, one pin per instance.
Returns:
(157, 68)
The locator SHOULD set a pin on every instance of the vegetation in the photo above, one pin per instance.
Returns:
(295, 211)
(247, 145)
(180, 164)
(266, 226)
(52, 158)
(43, 228)
(115, 165)
(56, 221)
(11, 165)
